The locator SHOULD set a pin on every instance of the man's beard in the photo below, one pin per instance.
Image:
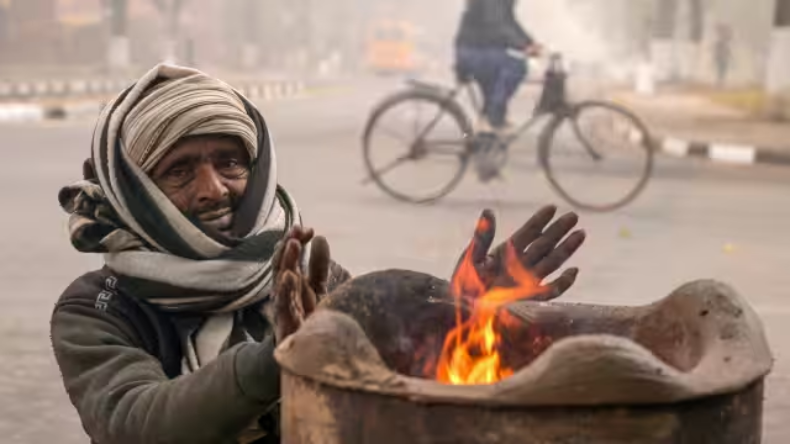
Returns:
(217, 222)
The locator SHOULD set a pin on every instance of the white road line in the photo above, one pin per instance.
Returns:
(635, 136)
(676, 147)
(740, 154)
(21, 113)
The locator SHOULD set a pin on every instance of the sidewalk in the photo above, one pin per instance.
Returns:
(701, 123)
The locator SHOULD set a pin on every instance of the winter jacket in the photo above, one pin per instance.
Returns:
(120, 359)
(492, 24)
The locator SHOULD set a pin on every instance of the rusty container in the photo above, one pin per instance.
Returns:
(686, 369)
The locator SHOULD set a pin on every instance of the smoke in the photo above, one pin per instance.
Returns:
(565, 28)
(603, 40)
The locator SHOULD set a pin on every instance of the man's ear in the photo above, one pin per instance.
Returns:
(88, 170)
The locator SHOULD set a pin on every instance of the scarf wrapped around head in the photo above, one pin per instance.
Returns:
(158, 254)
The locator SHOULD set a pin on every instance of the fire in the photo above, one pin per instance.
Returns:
(471, 352)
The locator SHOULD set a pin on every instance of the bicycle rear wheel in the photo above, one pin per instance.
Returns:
(598, 156)
(415, 146)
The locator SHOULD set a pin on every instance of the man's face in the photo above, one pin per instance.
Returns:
(205, 177)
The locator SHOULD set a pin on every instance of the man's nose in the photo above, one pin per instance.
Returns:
(209, 185)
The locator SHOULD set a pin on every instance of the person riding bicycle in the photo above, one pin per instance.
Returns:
(491, 49)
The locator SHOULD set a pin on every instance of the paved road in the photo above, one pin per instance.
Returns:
(678, 232)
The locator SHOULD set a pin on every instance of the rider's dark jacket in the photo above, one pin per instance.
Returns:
(491, 24)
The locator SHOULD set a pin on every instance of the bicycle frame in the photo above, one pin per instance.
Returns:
(489, 150)
(553, 99)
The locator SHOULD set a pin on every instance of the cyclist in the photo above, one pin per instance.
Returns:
(491, 49)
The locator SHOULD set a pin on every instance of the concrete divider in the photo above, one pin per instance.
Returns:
(77, 98)
(89, 87)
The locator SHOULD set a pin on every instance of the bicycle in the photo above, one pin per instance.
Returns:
(567, 123)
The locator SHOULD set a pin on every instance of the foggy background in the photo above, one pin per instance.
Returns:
(329, 38)
(715, 207)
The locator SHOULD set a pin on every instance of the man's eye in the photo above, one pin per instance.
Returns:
(233, 167)
(230, 162)
(177, 173)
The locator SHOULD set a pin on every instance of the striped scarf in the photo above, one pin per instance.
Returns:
(159, 255)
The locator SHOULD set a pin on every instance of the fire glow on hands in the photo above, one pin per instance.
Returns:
(486, 282)
(296, 295)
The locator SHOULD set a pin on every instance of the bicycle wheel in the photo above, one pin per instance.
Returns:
(416, 146)
(598, 156)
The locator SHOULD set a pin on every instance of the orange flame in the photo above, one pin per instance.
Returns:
(471, 352)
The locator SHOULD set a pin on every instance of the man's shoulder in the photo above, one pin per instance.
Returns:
(88, 286)
(96, 295)
(97, 289)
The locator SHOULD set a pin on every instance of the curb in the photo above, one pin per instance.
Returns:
(30, 102)
(727, 153)
(733, 154)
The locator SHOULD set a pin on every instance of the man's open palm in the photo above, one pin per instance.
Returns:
(540, 248)
(296, 294)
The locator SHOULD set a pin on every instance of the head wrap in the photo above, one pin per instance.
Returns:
(190, 106)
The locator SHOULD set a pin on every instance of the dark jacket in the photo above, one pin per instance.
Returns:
(121, 364)
(491, 24)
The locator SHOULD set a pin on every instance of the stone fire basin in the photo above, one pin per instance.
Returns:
(686, 369)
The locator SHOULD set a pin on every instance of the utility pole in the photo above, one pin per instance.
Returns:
(778, 79)
(689, 32)
(662, 48)
(170, 11)
(118, 56)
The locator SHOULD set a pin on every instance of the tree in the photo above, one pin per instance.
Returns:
(778, 70)
(697, 13)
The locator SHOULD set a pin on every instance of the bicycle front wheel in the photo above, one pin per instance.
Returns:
(598, 156)
(416, 146)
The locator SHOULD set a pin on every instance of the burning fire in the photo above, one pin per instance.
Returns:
(471, 352)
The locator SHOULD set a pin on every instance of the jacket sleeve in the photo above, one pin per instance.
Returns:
(519, 35)
(500, 15)
(123, 395)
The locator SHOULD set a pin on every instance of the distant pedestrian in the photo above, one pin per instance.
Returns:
(722, 54)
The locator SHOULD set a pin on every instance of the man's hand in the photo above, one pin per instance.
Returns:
(533, 50)
(540, 250)
(296, 294)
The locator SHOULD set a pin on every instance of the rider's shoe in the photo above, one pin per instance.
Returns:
(505, 130)
(483, 126)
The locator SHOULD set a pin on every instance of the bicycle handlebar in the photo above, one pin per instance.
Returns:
(555, 60)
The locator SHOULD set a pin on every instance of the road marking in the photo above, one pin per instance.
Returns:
(635, 136)
(740, 154)
(21, 113)
(676, 147)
